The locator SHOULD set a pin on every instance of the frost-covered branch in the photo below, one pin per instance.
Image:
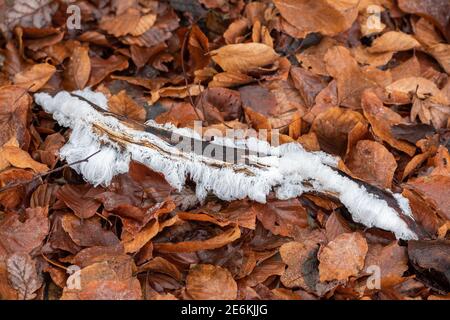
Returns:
(229, 169)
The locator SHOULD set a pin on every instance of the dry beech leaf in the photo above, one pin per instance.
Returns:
(79, 198)
(229, 79)
(325, 16)
(285, 218)
(14, 106)
(122, 104)
(393, 41)
(421, 87)
(177, 92)
(123, 24)
(145, 22)
(243, 57)
(34, 78)
(14, 197)
(268, 268)
(382, 119)
(302, 270)
(101, 68)
(363, 56)
(23, 276)
(423, 213)
(21, 159)
(351, 79)
(208, 282)
(337, 129)
(312, 58)
(100, 281)
(87, 232)
(79, 69)
(441, 52)
(372, 162)
(343, 257)
(336, 225)
(23, 236)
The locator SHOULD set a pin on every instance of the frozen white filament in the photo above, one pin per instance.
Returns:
(288, 170)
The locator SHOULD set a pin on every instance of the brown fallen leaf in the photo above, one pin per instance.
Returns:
(343, 257)
(21, 159)
(284, 218)
(101, 68)
(208, 282)
(80, 198)
(88, 232)
(336, 225)
(123, 24)
(338, 128)
(351, 79)
(423, 213)
(382, 119)
(133, 243)
(393, 41)
(23, 275)
(77, 74)
(372, 162)
(268, 268)
(35, 77)
(14, 107)
(100, 281)
(378, 59)
(315, 16)
(302, 270)
(23, 235)
(392, 261)
(308, 84)
(243, 57)
(229, 79)
(14, 197)
(122, 104)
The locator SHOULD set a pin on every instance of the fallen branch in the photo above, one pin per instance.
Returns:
(226, 168)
